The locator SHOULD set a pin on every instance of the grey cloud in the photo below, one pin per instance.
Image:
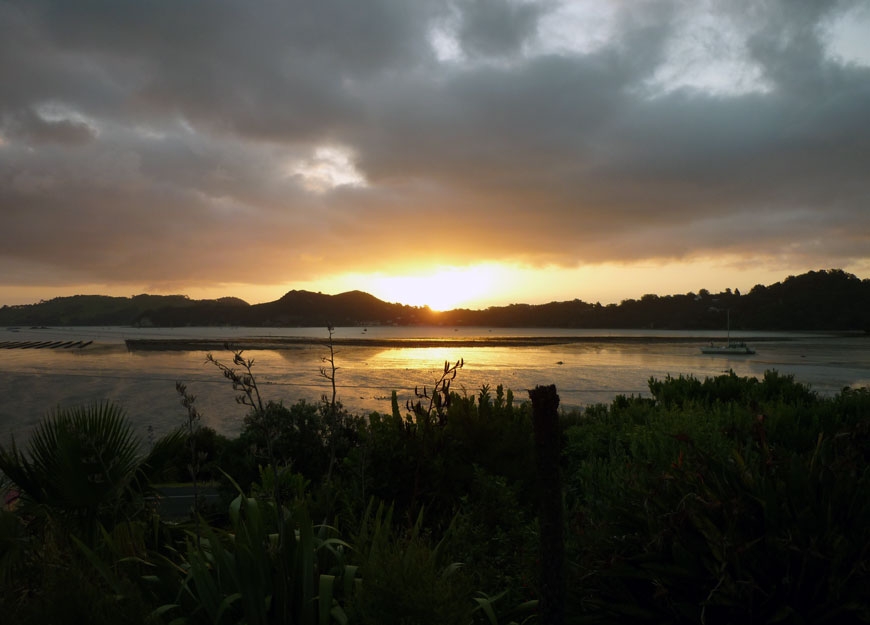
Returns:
(35, 129)
(497, 27)
(200, 108)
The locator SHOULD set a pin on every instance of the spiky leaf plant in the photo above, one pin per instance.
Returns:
(83, 462)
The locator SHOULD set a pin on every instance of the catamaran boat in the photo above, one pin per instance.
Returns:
(734, 348)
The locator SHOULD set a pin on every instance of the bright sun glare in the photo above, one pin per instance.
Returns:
(444, 289)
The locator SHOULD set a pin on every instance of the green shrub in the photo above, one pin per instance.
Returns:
(749, 506)
(496, 540)
(405, 578)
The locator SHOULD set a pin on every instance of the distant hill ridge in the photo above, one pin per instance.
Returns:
(818, 300)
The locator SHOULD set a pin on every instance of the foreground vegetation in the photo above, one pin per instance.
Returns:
(717, 501)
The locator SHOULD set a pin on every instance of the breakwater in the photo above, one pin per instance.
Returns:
(272, 343)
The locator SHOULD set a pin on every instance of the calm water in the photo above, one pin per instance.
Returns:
(34, 381)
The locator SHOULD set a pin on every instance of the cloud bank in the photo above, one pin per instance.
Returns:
(168, 143)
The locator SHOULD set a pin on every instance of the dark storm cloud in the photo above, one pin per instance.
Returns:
(163, 141)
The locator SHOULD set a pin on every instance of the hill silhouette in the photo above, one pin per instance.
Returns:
(817, 300)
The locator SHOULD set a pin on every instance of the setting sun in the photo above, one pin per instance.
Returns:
(444, 289)
(501, 284)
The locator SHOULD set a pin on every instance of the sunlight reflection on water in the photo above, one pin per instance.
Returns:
(32, 382)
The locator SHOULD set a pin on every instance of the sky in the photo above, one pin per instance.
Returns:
(436, 152)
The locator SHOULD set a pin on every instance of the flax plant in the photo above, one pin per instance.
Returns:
(247, 575)
(191, 428)
(333, 415)
(244, 382)
(430, 418)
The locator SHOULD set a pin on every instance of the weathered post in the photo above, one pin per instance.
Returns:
(545, 415)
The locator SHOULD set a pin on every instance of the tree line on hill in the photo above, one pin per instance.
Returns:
(817, 300)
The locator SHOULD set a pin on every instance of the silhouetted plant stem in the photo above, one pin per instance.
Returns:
(332, 420)
(244, 382)
(439, 400)
(545, 415)
(249, 395)
(191, 427)
(435, 413)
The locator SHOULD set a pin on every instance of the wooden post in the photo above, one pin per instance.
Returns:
(545, 416)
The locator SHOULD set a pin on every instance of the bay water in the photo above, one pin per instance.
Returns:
(591, 366)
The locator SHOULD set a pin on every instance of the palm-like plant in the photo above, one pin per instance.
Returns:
(82, 462)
